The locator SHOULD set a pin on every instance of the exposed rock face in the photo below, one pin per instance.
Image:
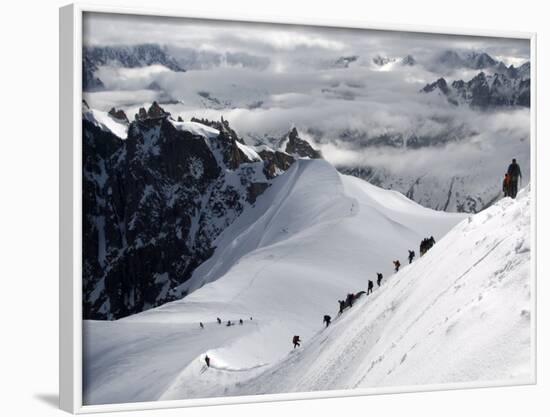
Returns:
(155, 111)
(222, 126)
(154, 203)
(118, 115)
(300, 147)
(440, 84)
(275, 162)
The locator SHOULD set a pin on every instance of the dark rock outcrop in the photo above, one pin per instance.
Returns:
(300, 147)
(275, 162)
(118, 115)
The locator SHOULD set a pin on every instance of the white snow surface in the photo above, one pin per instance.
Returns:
(197, 129)
(249, 152)
(107, 123)
(459, 313)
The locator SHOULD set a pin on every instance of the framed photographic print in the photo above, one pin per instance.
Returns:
(259, 210)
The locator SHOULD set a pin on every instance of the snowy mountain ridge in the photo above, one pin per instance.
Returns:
(510, 87)
(284, 262)
(126, 56)
(461, 313)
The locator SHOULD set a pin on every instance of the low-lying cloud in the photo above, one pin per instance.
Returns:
(265, 79)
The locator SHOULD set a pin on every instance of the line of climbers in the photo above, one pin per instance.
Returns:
(425, 245)
(510, 189)
(228, 324)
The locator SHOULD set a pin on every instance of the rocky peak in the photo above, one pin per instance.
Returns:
(480, 60)
(154, 112)
(441, 84)
(118, 115)
(300, 147)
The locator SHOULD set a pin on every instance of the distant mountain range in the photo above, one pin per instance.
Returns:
(472, 60)
(509, 86)
(134, 56)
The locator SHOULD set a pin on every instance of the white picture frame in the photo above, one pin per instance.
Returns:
(70, 214)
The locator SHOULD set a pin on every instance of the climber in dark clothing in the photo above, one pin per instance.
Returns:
(296, 341)
(349, 300)
(326, 320)
(229, 323)
(514, 171)
(207, 360)
(411, 256)
(342, 305)
(397, 264)
(219, 320)
(241, 321)
(369, 289)
(379, 277)
(202, 325)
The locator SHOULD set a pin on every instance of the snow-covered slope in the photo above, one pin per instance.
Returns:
(311, 238)
(462, 313)
(105, 122)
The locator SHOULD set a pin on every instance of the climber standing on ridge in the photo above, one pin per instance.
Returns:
(369, 288)
(326, 320)
(397, 264)
(296, 341)
(219, 320)
(379, 277)
(411, 256)
(202, 325)
(207, 360)
(514, 171)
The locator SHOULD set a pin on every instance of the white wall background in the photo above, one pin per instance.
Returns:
(29, 207)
